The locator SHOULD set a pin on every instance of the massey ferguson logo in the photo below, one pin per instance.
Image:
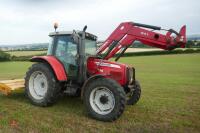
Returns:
(107, 64)
(144, 33)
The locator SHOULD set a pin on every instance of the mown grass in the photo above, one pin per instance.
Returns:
(25, 53)
(169, 102)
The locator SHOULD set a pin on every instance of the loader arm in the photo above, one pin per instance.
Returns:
(128, 32)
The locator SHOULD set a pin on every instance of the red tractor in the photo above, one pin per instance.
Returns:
(73, 65)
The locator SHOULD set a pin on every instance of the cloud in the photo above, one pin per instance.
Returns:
(30, 21)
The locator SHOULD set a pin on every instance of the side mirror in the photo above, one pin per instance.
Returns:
(75, 37)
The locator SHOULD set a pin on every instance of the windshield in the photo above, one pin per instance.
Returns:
(90, 47)
(50, 47)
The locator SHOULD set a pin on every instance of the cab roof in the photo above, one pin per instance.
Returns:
(60, 33)
(88, 35)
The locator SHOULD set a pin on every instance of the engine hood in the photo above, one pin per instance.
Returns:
(114, 70)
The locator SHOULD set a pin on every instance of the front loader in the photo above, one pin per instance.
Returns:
(75, 66)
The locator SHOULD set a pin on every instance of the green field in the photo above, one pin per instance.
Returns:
(13, 70)
(170, 101)
(25, 53)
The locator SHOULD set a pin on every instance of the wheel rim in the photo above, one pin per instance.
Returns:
(38, 85)
(102, 100)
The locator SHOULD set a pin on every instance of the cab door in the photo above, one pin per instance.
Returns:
(66, 52)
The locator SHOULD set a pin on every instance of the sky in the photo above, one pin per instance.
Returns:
(30, 21)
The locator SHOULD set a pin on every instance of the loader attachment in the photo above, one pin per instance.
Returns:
(128, 32)
(8, 86)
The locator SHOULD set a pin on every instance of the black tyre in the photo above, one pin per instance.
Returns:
(41, 86)
(104, 99)
(134, 96)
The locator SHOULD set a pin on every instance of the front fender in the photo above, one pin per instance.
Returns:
(55, 64)
(89, 80)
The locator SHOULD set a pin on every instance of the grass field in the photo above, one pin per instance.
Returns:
(25, 53)
(169, 102)
(13, 70)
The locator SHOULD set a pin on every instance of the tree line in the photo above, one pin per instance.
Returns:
(4, 56)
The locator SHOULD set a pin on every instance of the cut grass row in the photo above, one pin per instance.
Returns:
(169, 102)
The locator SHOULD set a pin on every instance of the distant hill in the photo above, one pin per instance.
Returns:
(193, 37)
(44, 46)
(37, 46)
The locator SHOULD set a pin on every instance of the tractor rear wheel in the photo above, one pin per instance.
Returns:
(41, 86)
(134, 95)
(104, 99)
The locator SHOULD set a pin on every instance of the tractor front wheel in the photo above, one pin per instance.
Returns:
(134, 95)
(104, 99)
(41, 86)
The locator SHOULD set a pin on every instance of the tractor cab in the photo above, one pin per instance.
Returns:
(72, 49)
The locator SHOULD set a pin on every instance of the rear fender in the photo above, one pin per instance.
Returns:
(55, 64)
